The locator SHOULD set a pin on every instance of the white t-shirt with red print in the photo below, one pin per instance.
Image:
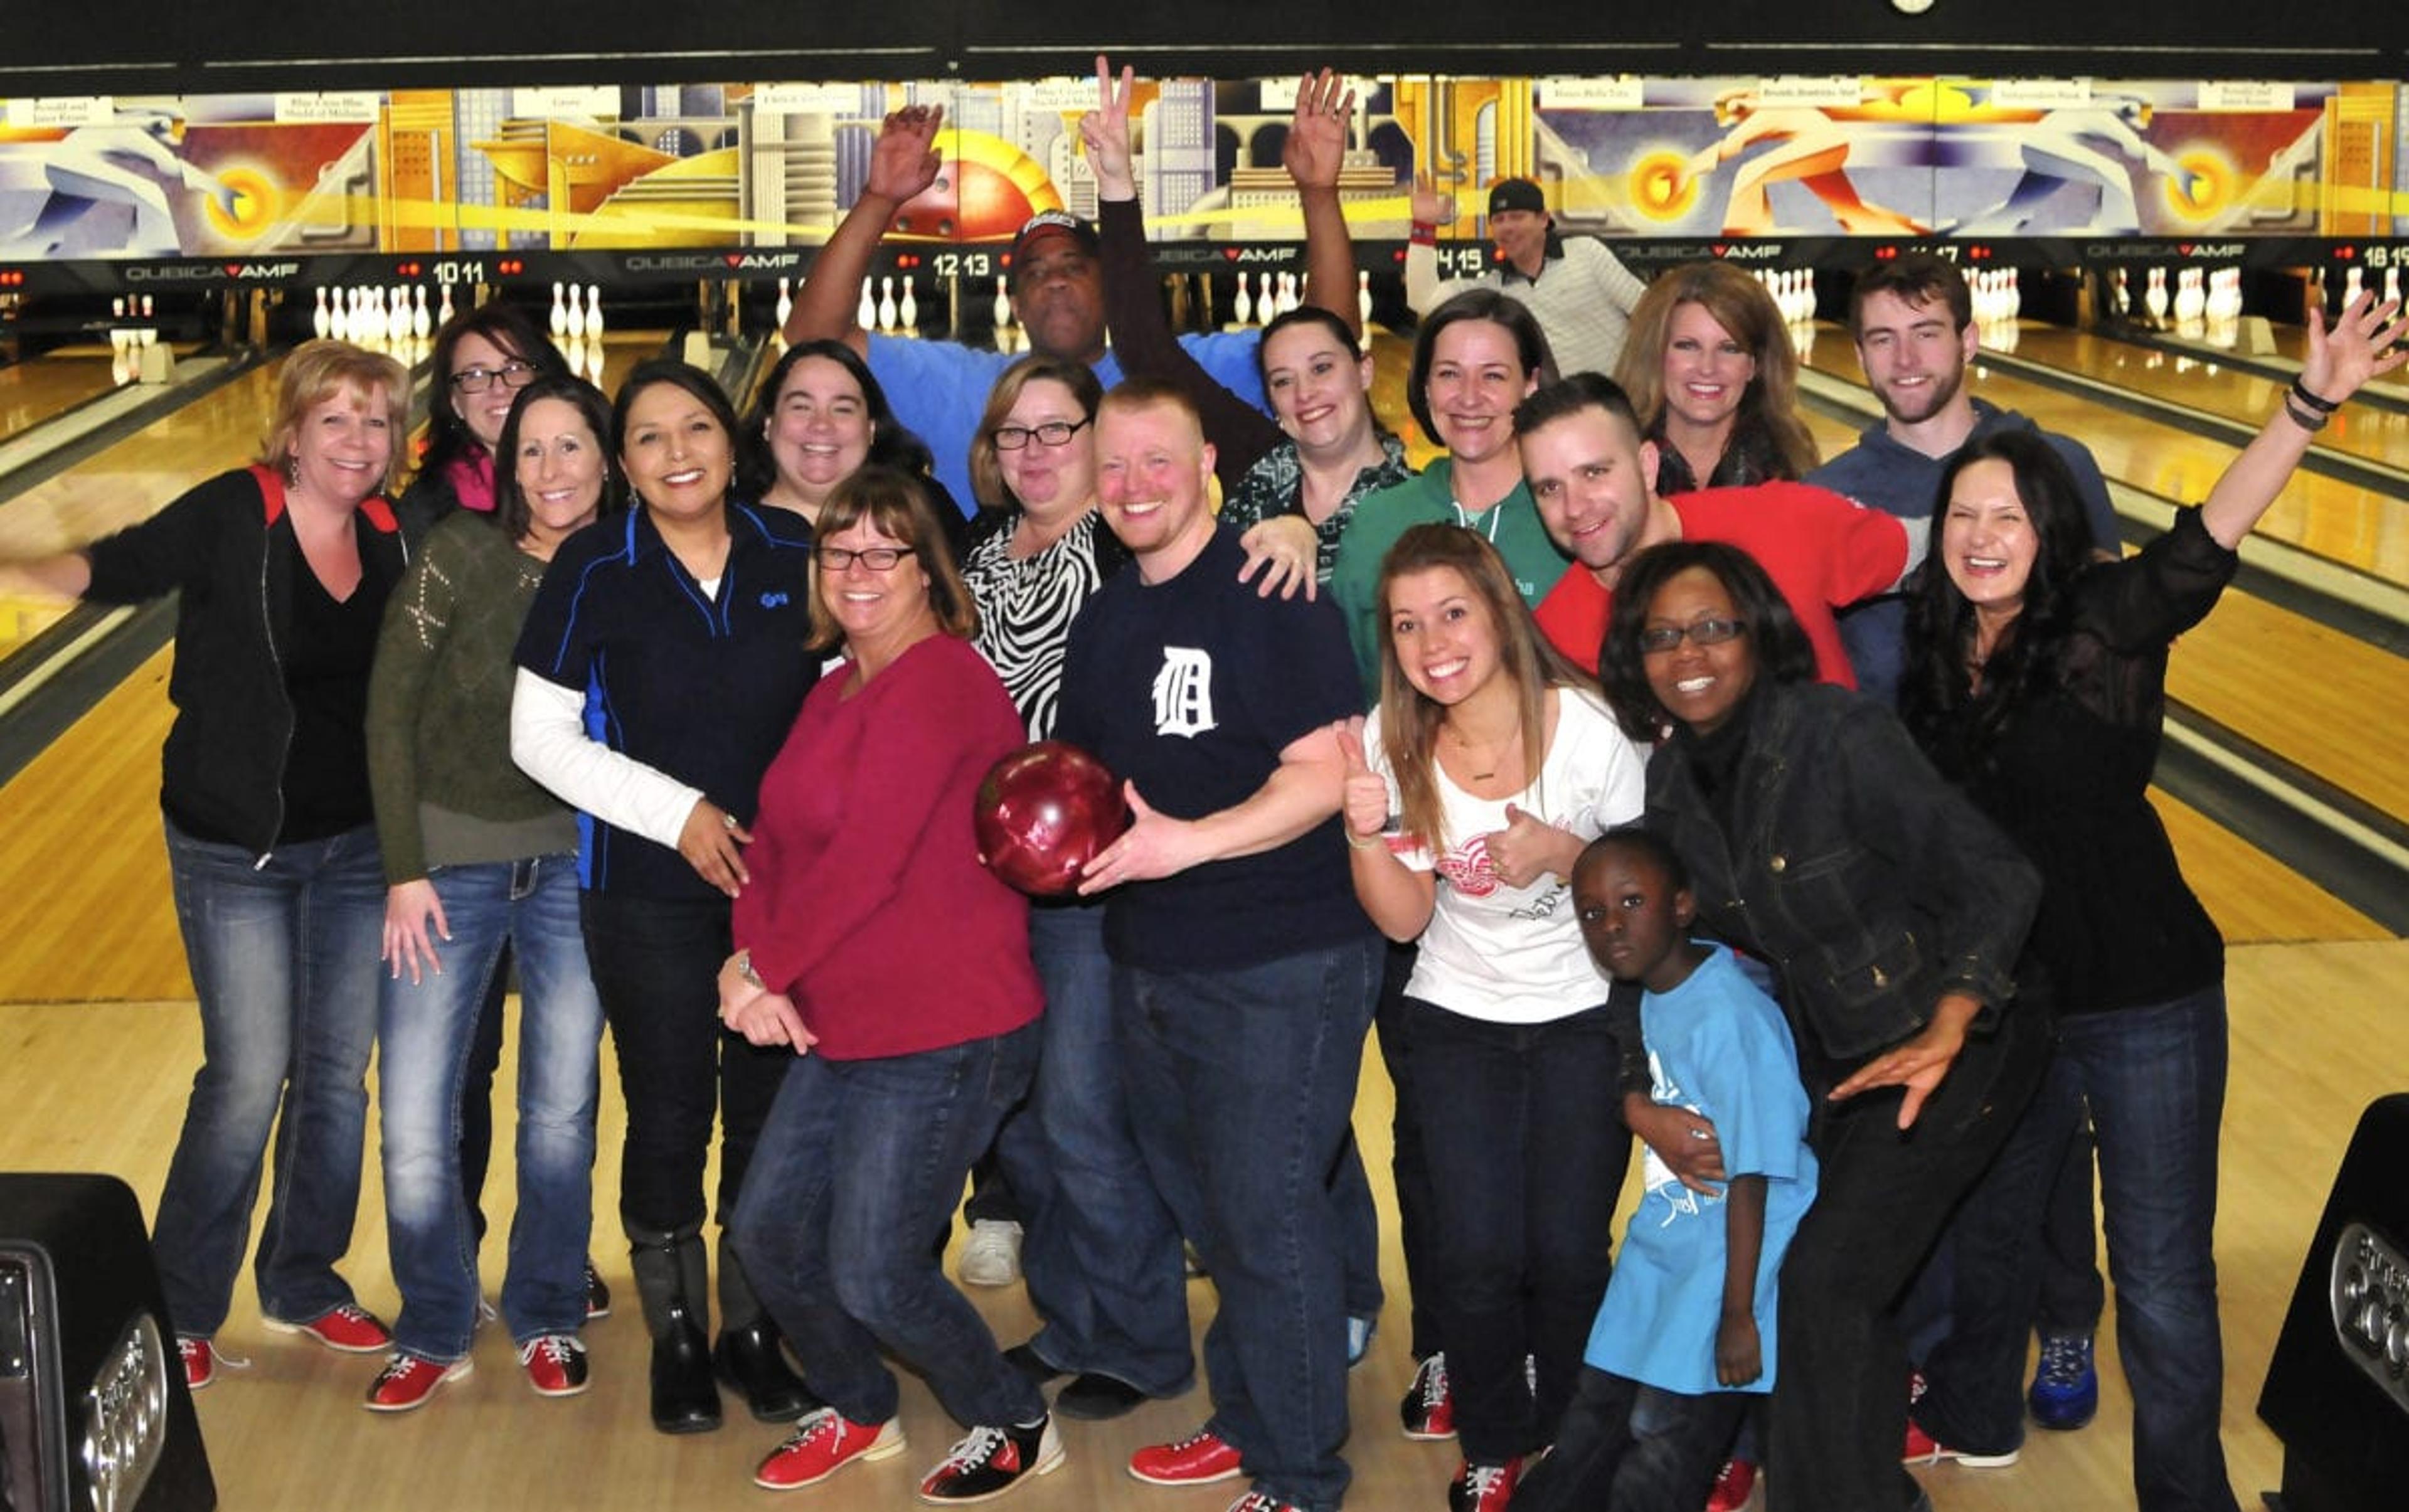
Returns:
(1514, 954)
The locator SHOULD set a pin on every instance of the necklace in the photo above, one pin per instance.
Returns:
(1495, 758)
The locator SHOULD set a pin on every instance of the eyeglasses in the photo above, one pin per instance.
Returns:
(876, 558)
(1706, 632)
(513, 374)
(1052, 432)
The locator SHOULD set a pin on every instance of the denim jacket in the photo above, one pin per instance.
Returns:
(1870, 885)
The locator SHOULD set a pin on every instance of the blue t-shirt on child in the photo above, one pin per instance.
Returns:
(1720, 1048)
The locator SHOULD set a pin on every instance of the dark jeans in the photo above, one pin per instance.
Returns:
(2154, 1080)
(1242, 1084)
(1627, 1448)
(1101, 1249)
(2073, 1295)
(656, 967)
(283, 955)
(1526, 1155)
(1407, 1170)
(1840, 1409)
(1974, 1396)
(860, 1160)
(477, 1097)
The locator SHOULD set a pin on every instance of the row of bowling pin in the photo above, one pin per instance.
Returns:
(370, 315)
(572, 319)
(1275, 299)
(1998, 295)
(126, 343)
(1793, 291)
(2354, 284)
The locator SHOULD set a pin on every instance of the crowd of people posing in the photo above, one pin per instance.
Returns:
(1547, 759)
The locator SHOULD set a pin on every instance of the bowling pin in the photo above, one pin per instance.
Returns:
(321, 320)
(574, 315)
(2353, 281)
(867, 315)
(594, 316)
(1242, 308)
(421, 323)
(2393, 283)
(149, 335)
(786, 301)
(559, 321)
(443, 311)
(1003, 312)
(909, 309)
(1364, 297)
(886, 314)
(2154, 298)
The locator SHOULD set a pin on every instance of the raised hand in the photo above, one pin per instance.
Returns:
(1317, 132)
(904, 160)
(1104, 132)
(1364, 800)
(1432, 206)
(2365, 342)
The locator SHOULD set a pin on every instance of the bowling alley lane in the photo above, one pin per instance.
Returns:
(40, 388)
(128, 481)
(2362, 528)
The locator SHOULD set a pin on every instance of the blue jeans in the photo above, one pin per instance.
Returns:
(2155, 1078)
(283, 955)
(1102, 1251)
(1242, 1086)
(1623, 1447)
(859, 1163)
(427, 1032)
(1527, 1157)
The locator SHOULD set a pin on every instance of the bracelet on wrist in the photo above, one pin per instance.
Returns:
(2308, 420)
(745, 969)
(2321, 405)
(1423, 234)
(1356, 843)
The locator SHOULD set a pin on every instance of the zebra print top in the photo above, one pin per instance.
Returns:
(1026, 605)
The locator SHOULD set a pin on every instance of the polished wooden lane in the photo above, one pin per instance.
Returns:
(33, 391)
(2363, 529)
(2210, 386)
(101, 1087)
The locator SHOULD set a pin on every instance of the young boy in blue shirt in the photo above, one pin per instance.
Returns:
(1684, 1341)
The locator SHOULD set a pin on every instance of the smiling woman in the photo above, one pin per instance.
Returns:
(685, 621)
(1712, 372)
(283, 571)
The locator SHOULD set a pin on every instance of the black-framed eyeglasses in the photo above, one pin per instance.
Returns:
(1052, 432)
(876, 558)
(1705, 632)
(513, 374)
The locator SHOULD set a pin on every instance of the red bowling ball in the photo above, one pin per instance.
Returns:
(1044, 811)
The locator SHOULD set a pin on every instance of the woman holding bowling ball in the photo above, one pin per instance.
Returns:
(679, 628)
(893, 970)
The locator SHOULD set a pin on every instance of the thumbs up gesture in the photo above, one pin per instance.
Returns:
(1529, 848)
(1364, 798)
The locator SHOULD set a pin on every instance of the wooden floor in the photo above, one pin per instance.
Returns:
(93, 978)
(32, 391)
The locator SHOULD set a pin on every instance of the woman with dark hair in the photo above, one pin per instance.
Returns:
(283, 569)
(483, 358)
(479, 859)
(680, 627)
(1477, 358)
(817, 418)
(2036, 679)
(1335, 451)
(903, 1003)
(1712, 372)
(1470, 793)
(1822, 843)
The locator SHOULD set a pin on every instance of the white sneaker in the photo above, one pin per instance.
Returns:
(991, 1254)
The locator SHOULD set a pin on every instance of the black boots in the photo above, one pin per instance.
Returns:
(747, 1354)
(673, 1279)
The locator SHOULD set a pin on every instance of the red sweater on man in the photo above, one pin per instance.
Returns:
(1822, 550)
